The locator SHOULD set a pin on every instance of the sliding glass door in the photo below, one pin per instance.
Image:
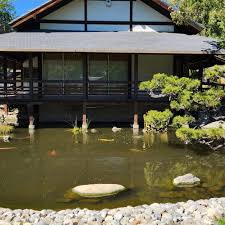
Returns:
(108, 73)
(63, 73)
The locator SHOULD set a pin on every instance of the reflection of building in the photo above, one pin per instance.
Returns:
(115, 46)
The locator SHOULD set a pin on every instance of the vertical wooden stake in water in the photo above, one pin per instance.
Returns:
(30, 109)
(6, 109)
(135, 125)
(84, 117)
(85, 90)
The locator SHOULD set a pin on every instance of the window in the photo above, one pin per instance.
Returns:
(118, 67)
(105, 67)
(98, 67)
(73, 66)
(59, 66)
(69, 66)
(53, 66)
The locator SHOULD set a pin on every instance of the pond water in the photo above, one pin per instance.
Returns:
(43, 166)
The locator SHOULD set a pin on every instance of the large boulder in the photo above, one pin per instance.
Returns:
(216, 124)
(188, 180)
(98, 190)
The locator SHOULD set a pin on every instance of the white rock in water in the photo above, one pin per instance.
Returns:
(216, 124)
(94, 131)
(116, 129)
(6, 138)
(188, 180)
(98, 190)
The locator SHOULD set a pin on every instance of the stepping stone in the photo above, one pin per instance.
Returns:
(98, 190)
(188, 180)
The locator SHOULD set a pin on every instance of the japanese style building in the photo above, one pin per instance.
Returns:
(85, 58)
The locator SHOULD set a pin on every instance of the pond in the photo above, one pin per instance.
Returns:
(43, 166)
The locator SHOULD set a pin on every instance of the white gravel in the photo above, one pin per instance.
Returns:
(202, 212)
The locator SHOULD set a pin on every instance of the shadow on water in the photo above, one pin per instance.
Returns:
(45, 164)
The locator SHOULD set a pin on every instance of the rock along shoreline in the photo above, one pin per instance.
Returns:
(201, 212)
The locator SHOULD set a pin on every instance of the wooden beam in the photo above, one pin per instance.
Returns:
(40, 57)
(129, 76)
(30, 60)
(5, 65)
(131, 15)
(85, 15)
(22, 76)
(200, 74)
(99, 22)
(135, 76)
(14, 77)
(85, 76)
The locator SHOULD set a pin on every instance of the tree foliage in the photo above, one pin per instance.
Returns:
(180, 121)
(157, 121)
(184, 93)
(7, 13)
(215, 73)
(204, 136)
(210, 13)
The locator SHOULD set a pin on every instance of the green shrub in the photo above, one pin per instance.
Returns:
(221, 221)
(189, 135)
(156, 120)
(6, 130)
(180, 121)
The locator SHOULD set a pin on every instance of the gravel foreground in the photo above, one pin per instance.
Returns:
(202, 212)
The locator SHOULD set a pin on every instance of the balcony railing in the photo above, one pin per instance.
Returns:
(27, 89)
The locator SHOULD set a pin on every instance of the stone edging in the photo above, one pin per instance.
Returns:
(201, 212)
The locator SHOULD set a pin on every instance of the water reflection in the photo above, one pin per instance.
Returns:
(52, 161)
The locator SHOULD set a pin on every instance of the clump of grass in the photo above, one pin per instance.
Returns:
(221, 221)
(75, 130)
(6, 130)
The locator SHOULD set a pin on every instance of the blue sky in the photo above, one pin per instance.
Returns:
(22, 6)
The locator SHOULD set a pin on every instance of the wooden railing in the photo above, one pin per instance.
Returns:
(71, 88)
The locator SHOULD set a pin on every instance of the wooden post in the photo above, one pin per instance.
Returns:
(5, 65)
(129, 76)
(30, 110)
(22, 76)
(14, 77)
(85, 91)
(185, 67)
(131, 15)
(5, 109)
(31, 75)
(84, 117)
(201, 75)
(85, 15)
(135, 125)
(40, 75)
(85, 77)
